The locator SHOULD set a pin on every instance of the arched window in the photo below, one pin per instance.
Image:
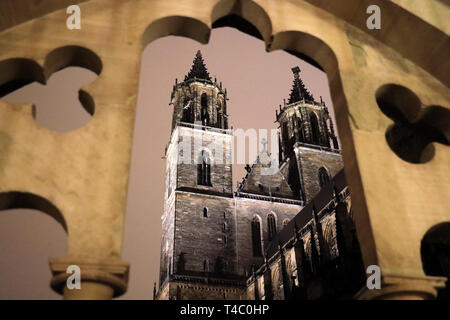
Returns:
(324, 178)
(205, 212)
(204, 109)
(256, 237)
(326, 133)
(315, 132)
(301, 130)
(187, 111)
(204, 169)
(272, 226)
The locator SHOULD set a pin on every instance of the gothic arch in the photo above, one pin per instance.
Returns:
(25, 200)
(435, 253)
(323, 176)
(204, 168)
(271, 225)
(35, 239)
(257, 236)
(178, 26)
(315, 129)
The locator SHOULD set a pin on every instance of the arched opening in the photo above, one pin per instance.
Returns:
(28, 238)
(197, 30)
(204, 169)
(187, 111)
(315, 132)
(204, 109)
(324, 177)
(435, 252)
(256, 237)
(271, 226)
(59, 82)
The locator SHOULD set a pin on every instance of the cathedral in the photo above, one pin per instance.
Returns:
(283, 234)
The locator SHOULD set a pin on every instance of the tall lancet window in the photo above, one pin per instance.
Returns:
(187, 111)
(256, 237)
(219, 116)
(324, 177)
(204, 109)
(204, 169)
(271, 226)
(315, 133)
(326, 135)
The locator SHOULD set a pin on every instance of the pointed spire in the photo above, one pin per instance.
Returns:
(198, 69)
(299, 91)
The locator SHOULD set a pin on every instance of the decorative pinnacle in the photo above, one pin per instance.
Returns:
(299, 92)
(296, 71)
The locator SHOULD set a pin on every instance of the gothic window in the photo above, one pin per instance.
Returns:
(204, 109)
(204, 169)
(272, 226)
(205, 212)
(324, 178)
(256, 237)
(293, 125)
(300, 129)
(285, 132)
(206, 266)
(327, 137)
(315, 132)
(187, 110)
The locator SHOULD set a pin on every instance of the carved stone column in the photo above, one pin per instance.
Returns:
(399, 287)
(100, 279)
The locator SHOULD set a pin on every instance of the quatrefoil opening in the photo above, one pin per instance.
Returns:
(16, 73)
(415, 127)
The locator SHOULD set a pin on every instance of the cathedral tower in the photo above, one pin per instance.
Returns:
(198, 250)
(309, 149)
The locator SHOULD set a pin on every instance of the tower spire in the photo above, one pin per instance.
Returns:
(198, 69)
(299, 90)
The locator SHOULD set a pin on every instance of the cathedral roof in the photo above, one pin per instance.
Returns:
(265, 180)
(198, 69)
(299, 90)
